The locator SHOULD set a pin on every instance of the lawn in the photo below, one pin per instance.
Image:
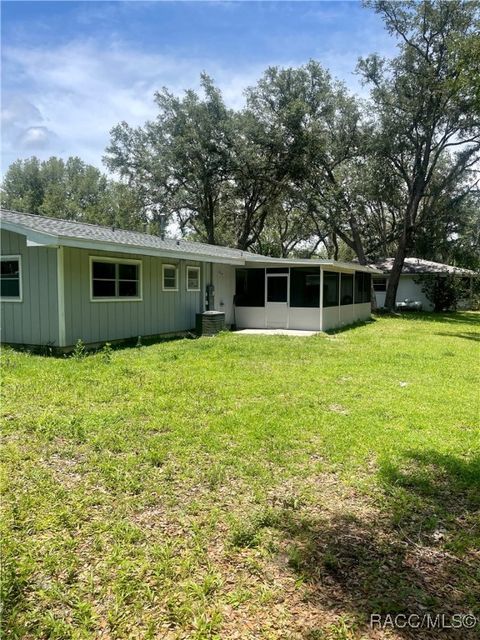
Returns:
(244, 486)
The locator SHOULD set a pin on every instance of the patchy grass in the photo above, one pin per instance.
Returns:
(244, 486)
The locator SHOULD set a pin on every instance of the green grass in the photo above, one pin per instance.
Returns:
(243, 486)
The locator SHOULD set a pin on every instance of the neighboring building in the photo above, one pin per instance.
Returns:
(410, 284)
(62, 281)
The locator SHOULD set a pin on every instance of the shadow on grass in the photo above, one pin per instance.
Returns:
(419, 554)
(466, 335)
(450, 317)
(50, 350)
(350, 327)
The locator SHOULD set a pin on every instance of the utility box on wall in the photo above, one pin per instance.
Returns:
(209, 323)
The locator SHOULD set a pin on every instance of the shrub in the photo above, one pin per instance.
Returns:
(444, 290)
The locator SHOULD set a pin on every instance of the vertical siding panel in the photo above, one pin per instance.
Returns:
(32, 321)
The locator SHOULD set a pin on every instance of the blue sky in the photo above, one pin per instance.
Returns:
(72, 70)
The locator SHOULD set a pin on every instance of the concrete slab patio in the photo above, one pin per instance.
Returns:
(276, 332)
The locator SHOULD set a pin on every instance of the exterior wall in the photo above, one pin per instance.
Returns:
(158, 312)
(347, 314)
(34, 320)
(223, 278)
(307, 319)
(250, 317)
(330, 318)
(304, 318)
(407, 289)
(334, 317)
(362, 311)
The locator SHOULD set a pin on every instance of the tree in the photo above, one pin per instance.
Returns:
(179, 162)
(23, 186)
(427, 103)
(316, 128)
(72, 190)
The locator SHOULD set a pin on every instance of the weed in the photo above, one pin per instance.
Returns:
(79, 351)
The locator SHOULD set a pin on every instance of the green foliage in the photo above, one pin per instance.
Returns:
(79, 351)
(444, 290)
(72, 190)
(427, 109)
(106, 353)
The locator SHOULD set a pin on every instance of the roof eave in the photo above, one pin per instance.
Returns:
(41, 239)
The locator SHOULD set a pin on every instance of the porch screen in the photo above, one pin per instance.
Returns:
(330, 289)
(304, 287)
(250, 288)
(362, 287)
(346, 285)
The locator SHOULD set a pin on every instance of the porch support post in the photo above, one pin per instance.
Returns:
(321, 299)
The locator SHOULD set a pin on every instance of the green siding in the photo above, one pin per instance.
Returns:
(158, 312)
(35, 319)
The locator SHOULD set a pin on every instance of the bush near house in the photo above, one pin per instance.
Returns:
(445, 290)
(244, 486)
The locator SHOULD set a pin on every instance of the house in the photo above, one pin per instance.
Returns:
(63, 280)
(410, 284)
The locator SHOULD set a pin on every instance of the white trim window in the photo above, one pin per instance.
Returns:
(193, 278)
(379, 283)
(169, 277)
(114, 279)
(11, 278)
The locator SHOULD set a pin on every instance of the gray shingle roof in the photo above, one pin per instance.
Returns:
(417, 266)
(84, 231)
(58, 231)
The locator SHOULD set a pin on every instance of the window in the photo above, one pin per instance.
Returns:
(115, 279)
(170, 277)
(193, 278)
(379, 284)
(250, 288)
(304, 287)
(11, 278)
(330, 289)
(362, 287)
(346, 289)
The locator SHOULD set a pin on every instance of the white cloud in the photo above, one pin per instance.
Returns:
(35, 138)
(80, 91)
(71, 95)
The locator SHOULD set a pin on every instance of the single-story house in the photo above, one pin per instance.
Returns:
(410, 283)
(62, 281)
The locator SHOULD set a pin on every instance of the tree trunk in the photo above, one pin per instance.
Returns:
(404, 245)
(394, 276)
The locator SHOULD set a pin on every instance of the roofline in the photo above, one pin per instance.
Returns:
(308, 262)
(450, 269)
(44, 239)
(40, 238)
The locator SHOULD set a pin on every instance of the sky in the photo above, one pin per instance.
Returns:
(73, 70)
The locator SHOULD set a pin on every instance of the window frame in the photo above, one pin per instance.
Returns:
(384, 283)
(191, 268)
(170, 266)
(19, 298)
(116, 298)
